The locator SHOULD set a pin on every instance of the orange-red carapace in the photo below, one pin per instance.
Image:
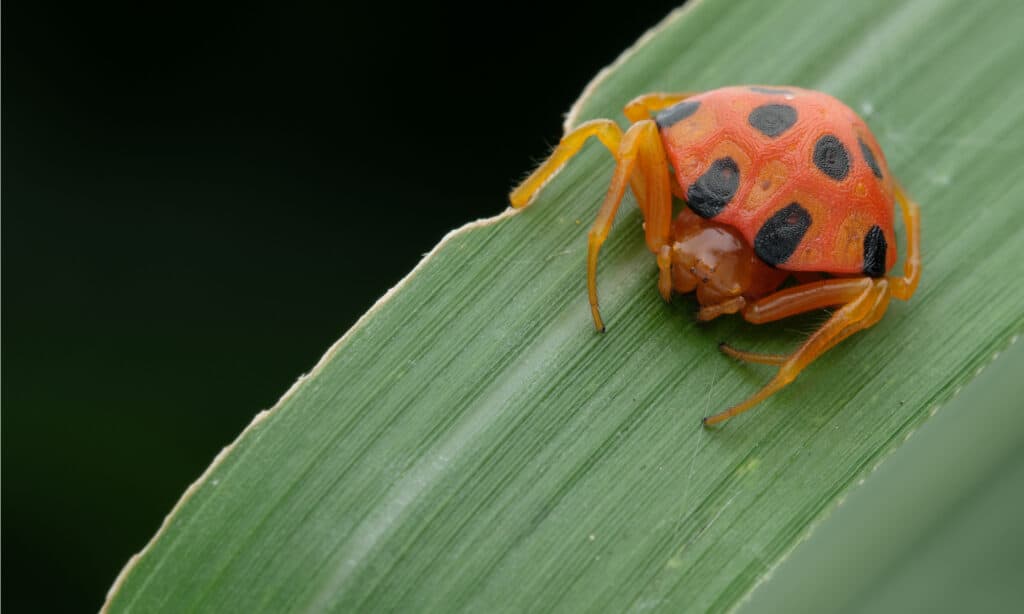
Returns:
(778, 183)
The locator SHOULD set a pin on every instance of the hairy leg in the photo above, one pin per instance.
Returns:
(606, 131)
(858, 312)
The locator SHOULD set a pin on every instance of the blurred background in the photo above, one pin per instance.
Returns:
(200, 198)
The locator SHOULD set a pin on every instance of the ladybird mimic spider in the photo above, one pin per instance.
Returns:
(778, 182)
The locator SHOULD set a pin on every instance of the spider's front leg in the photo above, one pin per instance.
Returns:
(642, 106)
(640, 161)
(640, 153)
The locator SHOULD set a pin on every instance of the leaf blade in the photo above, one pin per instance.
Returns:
(473, 445)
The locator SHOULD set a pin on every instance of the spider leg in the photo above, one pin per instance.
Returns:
(639, 152)
(640, 162)
(637, 110)
(864, 301)
(642, 106)
(804, 298)
(903, 287)
(710, 312)
(606, 131)
(766, 359)
(793, 301)
(860, 309)
(610, 135)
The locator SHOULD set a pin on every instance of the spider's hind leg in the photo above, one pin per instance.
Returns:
(864, 301)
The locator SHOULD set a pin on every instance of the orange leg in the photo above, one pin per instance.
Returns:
(606, 131)
(640, 150)
(665, 272)
(903, 287)
(793, 301)
(804, 298)
(710, 312)
(864, 301)
(639, 109)
(610, 135)
(640, 161)
(858, 313)
(765, 359)
(642, 106)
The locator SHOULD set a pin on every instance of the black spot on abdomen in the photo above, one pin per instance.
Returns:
(771, 90)
(676, 113)
(779, 237)
(874, 252)
(772, 119)
(714, 189)
(869, 157)
(831, 157)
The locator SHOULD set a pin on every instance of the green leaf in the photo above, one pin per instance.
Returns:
(472, 444)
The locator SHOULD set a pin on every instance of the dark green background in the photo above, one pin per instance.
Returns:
(199, 199)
